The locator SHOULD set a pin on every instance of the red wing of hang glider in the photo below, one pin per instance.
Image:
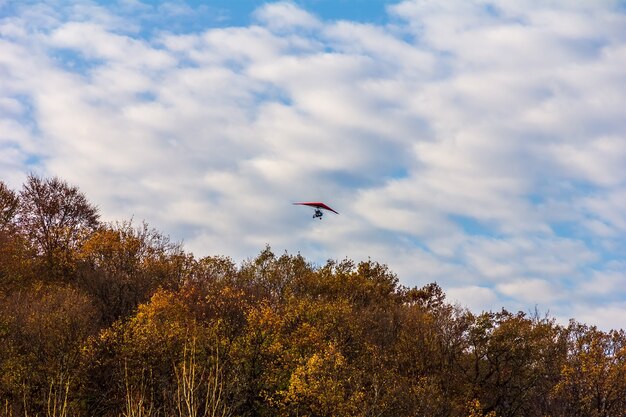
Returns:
(316, 205)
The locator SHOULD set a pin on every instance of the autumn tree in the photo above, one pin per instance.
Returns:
(593, 379)
(512, 362)
(15, 254)
(9, 203)
(164, 356)
(322, 386)
(55, 217)
(116, 320)
(122, 265)
(42, 331)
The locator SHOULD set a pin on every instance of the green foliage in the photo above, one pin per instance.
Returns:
(116, 320)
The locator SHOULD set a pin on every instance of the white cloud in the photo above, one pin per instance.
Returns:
(455, 142)
(607, 207)
(506, 258)
(599, 160)
(474, 297)
(606, 284)
(605, 316)
(285, 15)
(96, 42)
(530, 291)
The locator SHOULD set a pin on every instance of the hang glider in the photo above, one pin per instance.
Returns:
(318, 206)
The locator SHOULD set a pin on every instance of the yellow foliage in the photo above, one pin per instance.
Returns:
(474, 409)
(322, 386)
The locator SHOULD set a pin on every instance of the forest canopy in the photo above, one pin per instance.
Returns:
(114, 319)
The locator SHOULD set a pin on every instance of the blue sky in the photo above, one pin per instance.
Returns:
(479, 144)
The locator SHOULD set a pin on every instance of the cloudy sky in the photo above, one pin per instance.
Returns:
(479, 144)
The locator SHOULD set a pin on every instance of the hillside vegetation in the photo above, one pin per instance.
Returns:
(115, 320)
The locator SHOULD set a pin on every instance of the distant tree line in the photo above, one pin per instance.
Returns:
(113, 319)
